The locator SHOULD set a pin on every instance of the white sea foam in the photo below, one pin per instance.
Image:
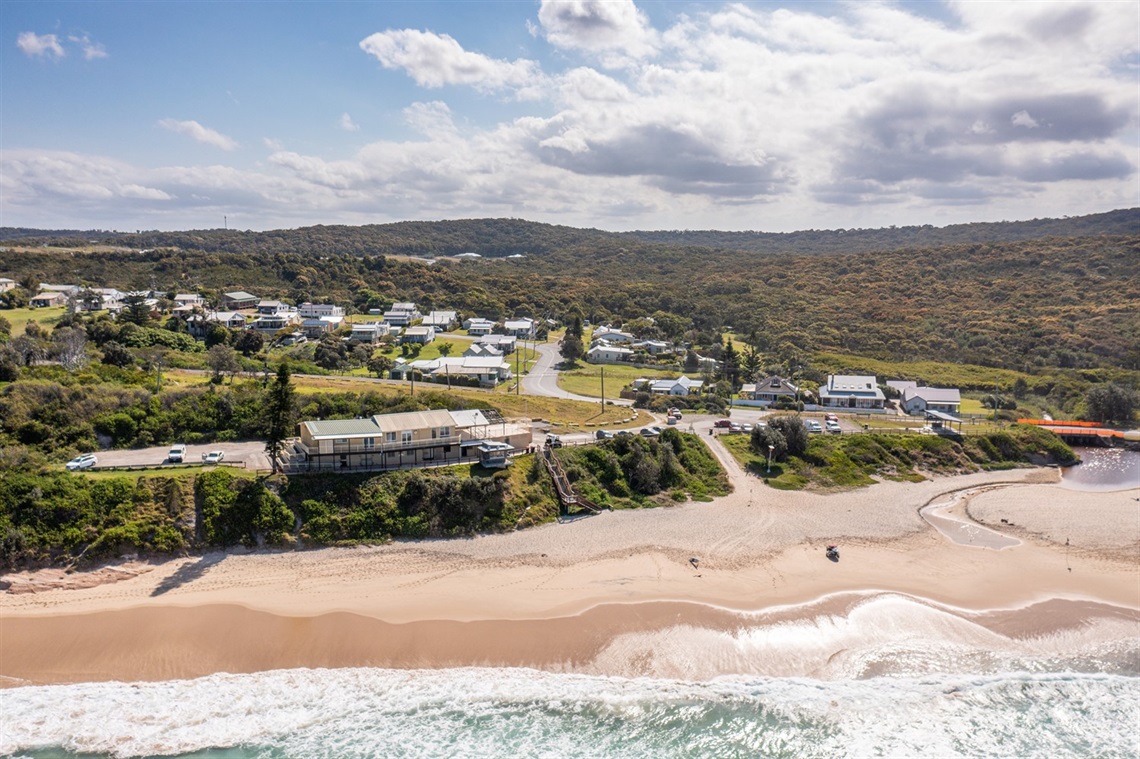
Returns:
(514, 713)
(883, 634)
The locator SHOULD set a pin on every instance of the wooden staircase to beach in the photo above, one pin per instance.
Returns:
(567, 498)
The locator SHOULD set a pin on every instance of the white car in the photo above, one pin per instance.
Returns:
(177, 453)
(86, 461)
(832, 426)
(213, 457)
(813, 426)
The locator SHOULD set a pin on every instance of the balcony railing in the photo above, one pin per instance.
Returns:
(380, 446)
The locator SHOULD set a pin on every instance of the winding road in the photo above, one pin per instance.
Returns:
(543, 378)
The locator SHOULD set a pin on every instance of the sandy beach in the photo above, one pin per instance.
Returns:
(560, 596)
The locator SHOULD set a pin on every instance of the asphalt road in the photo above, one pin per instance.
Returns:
(543, 378)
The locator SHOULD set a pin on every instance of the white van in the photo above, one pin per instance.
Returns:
(177, 454)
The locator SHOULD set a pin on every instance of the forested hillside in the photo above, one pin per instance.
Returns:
(505, 237)
(1064, 302)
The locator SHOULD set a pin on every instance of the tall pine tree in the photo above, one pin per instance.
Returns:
(279, 406)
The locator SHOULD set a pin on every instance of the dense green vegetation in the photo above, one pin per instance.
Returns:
(64, 414)
(51, 517)
(1022, 304)
(633, 471)
(844, 461)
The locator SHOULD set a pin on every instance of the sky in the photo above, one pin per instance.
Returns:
(610, 114)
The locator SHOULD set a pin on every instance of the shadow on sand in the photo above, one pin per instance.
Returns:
(188, 573)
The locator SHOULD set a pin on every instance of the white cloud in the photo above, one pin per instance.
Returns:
(436, 60)
(91, 50)
(1023, 119)
(347, 124)
(733, 116)
(40, 46)
(615, 28)
(200, 133)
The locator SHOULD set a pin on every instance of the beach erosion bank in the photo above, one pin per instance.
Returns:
(619, 594)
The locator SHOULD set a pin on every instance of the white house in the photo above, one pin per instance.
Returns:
(369, 333)
(769, 390)
(505, 343)
(273, 307)
(652, 347)
(608, 354)
(611, 335)
(440, 321)
(7, 284)
(187, 299)
(402, 314)
(487, 370)
(918, 400)
(317, 326)
(420, 335)
(477, 326)
(478, 349)
(269, 324)
(317, 310)
(680, 386)
(851, 391)
(519, 327)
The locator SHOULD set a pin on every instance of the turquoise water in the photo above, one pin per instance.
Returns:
(525, 713)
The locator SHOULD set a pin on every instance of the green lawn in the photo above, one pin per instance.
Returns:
(564, 415)
(587, 378)
(19, 317)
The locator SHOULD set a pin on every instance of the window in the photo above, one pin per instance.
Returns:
(390, 437)
(406, 436)
(369, 443)
(445, 432)
(342, 440)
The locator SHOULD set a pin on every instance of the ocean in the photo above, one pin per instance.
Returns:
(893, 678)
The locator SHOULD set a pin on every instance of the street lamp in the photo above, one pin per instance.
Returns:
(770, 449)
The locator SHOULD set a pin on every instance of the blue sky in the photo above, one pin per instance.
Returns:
(614, 114)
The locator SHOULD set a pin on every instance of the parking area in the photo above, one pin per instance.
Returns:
(250, 452)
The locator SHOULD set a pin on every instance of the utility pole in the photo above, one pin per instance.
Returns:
(603, 388)
(518, 378)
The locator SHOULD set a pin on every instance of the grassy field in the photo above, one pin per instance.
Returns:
(45, 317)
(564, 415)
(587, 378)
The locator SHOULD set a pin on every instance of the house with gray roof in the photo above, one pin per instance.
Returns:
(239, 300)
(851, 391)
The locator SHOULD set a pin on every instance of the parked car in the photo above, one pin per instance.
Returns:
(603, 434)
(213, 457)
(832, 426)
(554, 441)
(813, 426)
(176, 454)
(831, 417)
(675, 412)
(735, 427)
(86, 461)
(624, 433)
(746, 428)
(722, 423)
(651, 431)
